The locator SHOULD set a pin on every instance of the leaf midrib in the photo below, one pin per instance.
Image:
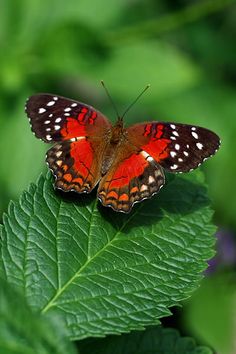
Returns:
(62, 289)
(50, 304)
(132, 292)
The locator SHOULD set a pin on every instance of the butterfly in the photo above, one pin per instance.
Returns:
(127, 164)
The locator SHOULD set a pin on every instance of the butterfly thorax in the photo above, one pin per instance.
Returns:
(117, 132)
(117, 137)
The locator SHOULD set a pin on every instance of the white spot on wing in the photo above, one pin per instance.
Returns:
(57, 127)
(58, 153)
(149, 158)
(68, 109)
(177, 146)
(47, 121)
(51, 103)
(50, 115)
(74, 104)
(172, 126)
(186, 153)
(175, 133)
(199, 146)
(55, 98)
(48, 137)
(173, 167)
(78, 138)
(151, 179)
(195, 135)
(144, 153)
(42, 110)
(143, 188)
(59, 163)
(173, 154)
(58, 120)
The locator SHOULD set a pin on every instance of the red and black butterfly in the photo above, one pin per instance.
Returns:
(127, 163)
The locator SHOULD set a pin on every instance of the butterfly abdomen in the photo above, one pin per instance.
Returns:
(118, 136)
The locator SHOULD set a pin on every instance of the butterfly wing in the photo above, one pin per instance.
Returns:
(176, 147)
(54, 118)
(80, 133)
(133, 176)
(137, 173)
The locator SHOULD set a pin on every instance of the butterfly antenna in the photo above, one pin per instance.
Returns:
(110, 99)
(136, 99)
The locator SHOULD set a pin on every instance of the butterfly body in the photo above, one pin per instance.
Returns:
(115, 137)
(126, 163)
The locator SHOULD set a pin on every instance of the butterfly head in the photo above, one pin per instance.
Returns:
(119, 122)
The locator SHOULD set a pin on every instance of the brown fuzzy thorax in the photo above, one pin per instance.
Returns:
(117, 136)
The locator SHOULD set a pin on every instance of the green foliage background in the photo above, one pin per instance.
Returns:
(184, 49)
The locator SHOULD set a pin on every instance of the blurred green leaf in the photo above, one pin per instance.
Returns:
(100, 271)
(131, 67)
(210, 312)
(171, 21)
(24, 332)
(156, 340)
(102, 14)
(22, 156)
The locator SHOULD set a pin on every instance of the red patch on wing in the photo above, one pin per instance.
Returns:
(82, 154)
(159, 131)
(147, 130)
(81, 116)
(158, 149)
(73, 128)
(128, 169)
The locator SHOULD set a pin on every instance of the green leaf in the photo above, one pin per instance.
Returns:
(21, 150)
(202, 318)
(156, 340)
(167, 70)
(104, 272)
(23, 332)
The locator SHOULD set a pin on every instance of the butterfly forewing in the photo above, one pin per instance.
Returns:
(81, 133)
(55, 118)
(176, 147)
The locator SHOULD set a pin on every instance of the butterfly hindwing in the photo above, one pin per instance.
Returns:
(76, 165)
(176, 147)
(55, 118)
(133, 176)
